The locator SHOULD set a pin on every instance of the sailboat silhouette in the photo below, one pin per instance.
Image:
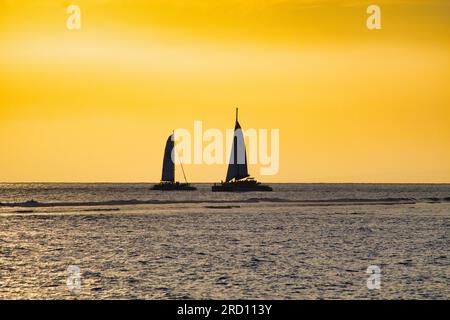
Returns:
(238, 179)
(168, 182)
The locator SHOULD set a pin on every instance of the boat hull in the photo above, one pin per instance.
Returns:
(240, 187)
(173, 187)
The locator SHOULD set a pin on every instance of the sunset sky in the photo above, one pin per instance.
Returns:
(351, 104)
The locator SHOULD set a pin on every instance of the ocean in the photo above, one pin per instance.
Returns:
(301, 241)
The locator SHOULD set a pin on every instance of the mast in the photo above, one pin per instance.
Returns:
(173, 146)
(235, 146)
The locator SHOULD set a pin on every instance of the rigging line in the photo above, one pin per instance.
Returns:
(181, 163)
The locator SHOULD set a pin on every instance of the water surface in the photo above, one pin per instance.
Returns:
(302, 241)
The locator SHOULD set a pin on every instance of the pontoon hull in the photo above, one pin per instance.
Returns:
(240, 187)
(173, 187)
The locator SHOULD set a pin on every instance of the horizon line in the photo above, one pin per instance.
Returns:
(204, 182)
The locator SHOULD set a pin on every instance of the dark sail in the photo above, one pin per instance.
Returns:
(237, 167)
(168, 171)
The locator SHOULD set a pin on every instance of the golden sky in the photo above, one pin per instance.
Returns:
(352, 105)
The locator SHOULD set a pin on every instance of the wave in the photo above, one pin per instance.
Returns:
(340, 201)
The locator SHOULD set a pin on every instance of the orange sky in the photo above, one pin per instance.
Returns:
(352, 105)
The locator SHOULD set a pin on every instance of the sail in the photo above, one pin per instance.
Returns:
(168, 171)
(237, 167)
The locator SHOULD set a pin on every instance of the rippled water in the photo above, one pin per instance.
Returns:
(191, 249)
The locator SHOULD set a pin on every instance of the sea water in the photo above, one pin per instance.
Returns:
(301, 241)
